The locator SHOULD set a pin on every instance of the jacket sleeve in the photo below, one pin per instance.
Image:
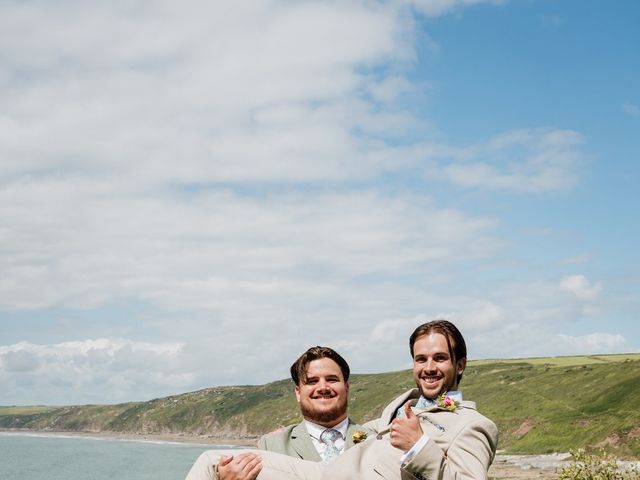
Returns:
(468, 457)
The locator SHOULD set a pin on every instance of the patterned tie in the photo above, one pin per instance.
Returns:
(329, 437)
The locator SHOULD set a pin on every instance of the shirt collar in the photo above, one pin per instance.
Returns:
(315, 430)
(426, 402)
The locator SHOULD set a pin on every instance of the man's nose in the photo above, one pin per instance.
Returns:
(323, 385)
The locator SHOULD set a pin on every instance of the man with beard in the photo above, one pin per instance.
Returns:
(321, 378)
(427, 433)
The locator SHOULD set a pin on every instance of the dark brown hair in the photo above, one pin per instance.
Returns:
(299, 367)
(455, 341)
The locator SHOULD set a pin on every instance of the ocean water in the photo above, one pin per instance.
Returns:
(38, 457)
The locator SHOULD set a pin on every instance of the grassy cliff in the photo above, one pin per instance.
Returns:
(540, 406)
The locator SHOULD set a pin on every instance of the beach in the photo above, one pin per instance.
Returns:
(527, 467)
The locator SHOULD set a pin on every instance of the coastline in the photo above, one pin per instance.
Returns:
(139, 437)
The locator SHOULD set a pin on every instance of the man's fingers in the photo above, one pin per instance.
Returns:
(253, 467)
(246, 456)
(224, 460)
(407, 409)
(246, 461)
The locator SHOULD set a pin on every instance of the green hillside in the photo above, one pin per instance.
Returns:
(540, 405)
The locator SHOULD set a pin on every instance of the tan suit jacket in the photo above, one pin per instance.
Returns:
(461, 446)
(295, 441)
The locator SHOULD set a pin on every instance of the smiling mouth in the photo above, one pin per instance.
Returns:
(430, 379)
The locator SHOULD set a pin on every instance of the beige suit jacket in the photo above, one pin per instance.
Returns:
(295, 441)
(461, 446)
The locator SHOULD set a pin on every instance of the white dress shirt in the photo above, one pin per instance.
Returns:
(316, 430)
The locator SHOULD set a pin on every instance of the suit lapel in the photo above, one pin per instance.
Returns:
(302, 445)
(351, 429)
(410, 395)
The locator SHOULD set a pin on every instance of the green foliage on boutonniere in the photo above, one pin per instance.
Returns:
(359, 436)
(446, 402)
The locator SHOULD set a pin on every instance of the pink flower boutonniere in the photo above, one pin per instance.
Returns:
(446, 402)
(359, 436)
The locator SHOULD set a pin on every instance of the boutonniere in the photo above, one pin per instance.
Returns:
(359, 436)
(446, 402)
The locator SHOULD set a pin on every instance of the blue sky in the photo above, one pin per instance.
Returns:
(192, 195)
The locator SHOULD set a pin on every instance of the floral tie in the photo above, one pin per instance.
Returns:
(329, 437)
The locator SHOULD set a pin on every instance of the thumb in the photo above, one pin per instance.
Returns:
(407, 410)
(225, 460)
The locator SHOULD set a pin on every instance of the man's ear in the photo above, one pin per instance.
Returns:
(297, 391)
(461, 365)
(346, 387)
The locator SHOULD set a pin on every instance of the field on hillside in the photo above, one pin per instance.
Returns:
(24, 410)
(540, 406)
(565, 360)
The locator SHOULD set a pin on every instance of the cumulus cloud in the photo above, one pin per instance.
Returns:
(120, 366)
(223, 167)
(580, 287)
(207, 100)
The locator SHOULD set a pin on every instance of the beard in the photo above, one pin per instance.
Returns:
(323, 416)
(431, 396)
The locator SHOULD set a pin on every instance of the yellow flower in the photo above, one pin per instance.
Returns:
(359, 436)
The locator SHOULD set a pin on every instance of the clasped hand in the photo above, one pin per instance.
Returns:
(245, 466)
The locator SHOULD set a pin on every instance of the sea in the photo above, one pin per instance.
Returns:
(27, 456)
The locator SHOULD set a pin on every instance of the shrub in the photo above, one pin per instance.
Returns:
(600, 466)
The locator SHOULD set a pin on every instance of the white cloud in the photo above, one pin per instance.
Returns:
(631, 109)
(580, 287)
(576, 259)
(206, 100)
(440, 7)
(222, 168)
(591, 344)
(551, 21)
(183, 251)
(520, 161)
(93, 367)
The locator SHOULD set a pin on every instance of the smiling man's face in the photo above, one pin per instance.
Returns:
(323, 393)
(434, 369)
